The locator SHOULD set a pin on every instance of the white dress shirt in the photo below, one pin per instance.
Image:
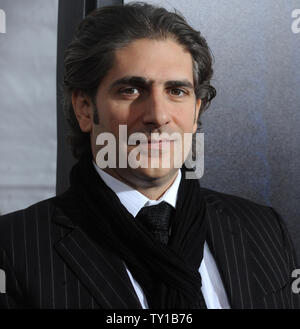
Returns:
(212, 287)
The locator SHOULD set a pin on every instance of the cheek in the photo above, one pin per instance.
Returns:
(110, 114)
(119, 114)
(185, 119)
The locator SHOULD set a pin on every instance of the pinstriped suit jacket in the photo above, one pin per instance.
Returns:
(50, 262)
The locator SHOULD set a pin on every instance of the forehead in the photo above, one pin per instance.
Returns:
(156, 60)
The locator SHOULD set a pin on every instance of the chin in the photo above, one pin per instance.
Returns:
(152, 174)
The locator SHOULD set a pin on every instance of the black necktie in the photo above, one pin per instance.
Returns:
(156, 219)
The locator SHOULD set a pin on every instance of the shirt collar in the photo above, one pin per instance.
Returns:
(132, 199)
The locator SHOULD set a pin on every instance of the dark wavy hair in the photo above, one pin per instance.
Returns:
(90, 55)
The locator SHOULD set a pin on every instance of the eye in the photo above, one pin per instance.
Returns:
(177, 92)
(129, 91)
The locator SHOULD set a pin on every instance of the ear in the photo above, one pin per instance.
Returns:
(83, 109)
(197, 110)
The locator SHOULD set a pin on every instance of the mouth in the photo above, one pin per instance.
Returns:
(157, 146)
(159, 141)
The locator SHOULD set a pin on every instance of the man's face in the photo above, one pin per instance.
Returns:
(149, 89)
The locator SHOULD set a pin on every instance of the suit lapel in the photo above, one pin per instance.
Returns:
(228, 246)
(100, 271)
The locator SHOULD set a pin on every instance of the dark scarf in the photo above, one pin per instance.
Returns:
(168, 274)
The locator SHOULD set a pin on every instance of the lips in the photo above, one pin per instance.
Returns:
(151, 141)
(158, 145)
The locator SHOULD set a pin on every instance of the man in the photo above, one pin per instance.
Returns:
(145, 236)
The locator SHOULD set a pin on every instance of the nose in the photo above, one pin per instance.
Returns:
(156, 109)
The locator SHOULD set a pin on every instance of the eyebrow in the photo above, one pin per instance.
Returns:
(144, 83)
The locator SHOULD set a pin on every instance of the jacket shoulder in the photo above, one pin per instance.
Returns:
(41, 211)
(214, 197)
(39, 206)
(262, 224)
(253, 216)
